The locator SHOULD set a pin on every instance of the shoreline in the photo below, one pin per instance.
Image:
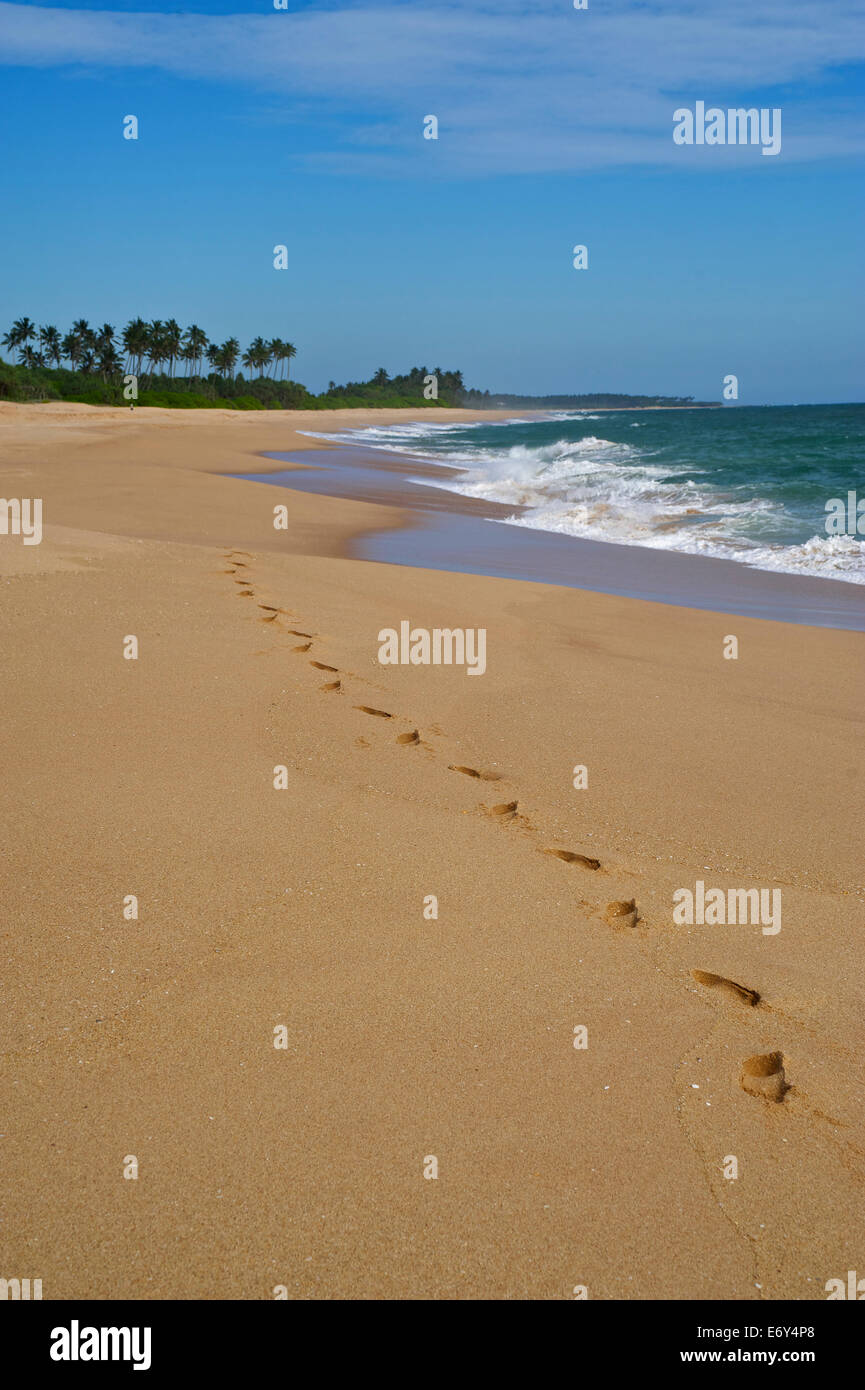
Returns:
(436, 529)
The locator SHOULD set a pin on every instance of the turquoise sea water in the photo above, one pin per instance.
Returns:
(747, 484)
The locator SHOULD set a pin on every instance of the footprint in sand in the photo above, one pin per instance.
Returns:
(305, 648)
(622, 914)
(506, 813)
(730, 987)
(320, 666)
(568, 857)
(294, 632)
(379, 713)
(473, 772)
(763, 1076)
(412, 738)
(332, 685)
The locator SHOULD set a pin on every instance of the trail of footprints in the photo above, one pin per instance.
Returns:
(762, 1075)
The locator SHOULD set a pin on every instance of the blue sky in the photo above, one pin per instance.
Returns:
(304, 127)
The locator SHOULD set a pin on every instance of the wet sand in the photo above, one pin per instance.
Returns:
(439, 529)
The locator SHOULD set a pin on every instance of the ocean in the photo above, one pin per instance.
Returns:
(748, 484)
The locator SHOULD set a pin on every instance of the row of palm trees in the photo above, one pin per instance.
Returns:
(147, 348)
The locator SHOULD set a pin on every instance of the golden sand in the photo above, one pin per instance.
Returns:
(407, 1036)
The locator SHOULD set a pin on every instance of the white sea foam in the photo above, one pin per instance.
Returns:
(603, 490)
(397, 439)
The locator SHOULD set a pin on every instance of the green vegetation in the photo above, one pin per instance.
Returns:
(383, 391)
(89, 365)
(98, 360)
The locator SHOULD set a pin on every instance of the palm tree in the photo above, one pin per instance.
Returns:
(275, 347)
(188, 354)
(135, 343)
(194, 344)
(257, 355)
(156, 346)
(19, 336)
(71, 348)
(223, 359)
(79, 345)
(109, 362)
(83, 332)
(231, 351)
(29, 357)
(281, 352)
(106, 356)
(49, 340)
(150, 344)
(225, 364)
(173, 337)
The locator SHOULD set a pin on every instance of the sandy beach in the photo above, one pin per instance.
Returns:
(407, 1037)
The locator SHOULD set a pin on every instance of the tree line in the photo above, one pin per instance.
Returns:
(143, 350)
(414, 385)
(153, 353)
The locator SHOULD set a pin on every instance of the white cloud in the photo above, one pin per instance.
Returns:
(516, 85)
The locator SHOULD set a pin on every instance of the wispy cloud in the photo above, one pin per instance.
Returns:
(516, 85)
